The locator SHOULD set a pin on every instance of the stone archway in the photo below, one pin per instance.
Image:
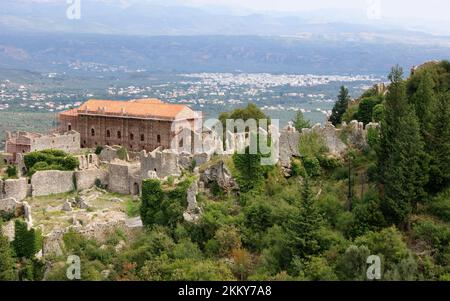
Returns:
(135, 189)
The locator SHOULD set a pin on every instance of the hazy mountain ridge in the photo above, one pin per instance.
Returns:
(41, 52)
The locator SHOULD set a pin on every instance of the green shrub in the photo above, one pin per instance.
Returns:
(26, 242)
(440, 206)
(373, 137)
(49, 160)
(312, 166)
(329, 162)
(122, 153)
(297, 168)
(161, 207)
(378, 113)
(340, 173)
(11, 171)
(98, 149)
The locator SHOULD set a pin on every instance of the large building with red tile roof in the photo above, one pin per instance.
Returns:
(139, 124)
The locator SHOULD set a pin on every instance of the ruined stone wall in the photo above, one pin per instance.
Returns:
(163, 163)
(88, 161)
(14, 188)
(119, 178)
(52, 182)
(68, 142)
(85, 179)
(289, 142)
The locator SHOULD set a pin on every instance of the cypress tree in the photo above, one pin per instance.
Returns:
(26, 242)
(440, 145)
(402, 162)
(340, 106)
(6, 260)
(303, 225)
(424, 102)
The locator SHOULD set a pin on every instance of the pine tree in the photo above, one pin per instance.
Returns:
(402, 162)
(300, 122)
(424, 102)
(303, 225)
(440, 145)
(6, 260)
(26, 242)
(340, 106)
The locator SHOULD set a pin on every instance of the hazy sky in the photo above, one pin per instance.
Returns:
(426, 9)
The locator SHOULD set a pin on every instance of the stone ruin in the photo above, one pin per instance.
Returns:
(125, 176)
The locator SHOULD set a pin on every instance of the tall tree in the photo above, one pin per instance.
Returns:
(402, 162)
(340, 106)
(6, 260)
(300, 122)
(424, 102)
(26, 242)
(440, 145)
(303, 225)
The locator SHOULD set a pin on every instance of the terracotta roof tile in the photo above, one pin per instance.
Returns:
(144, 108)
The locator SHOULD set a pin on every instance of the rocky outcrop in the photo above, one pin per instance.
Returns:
(98, 226)
(67, 206)
(11, 206)
(219, 173)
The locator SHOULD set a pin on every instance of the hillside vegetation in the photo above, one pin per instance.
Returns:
(391, 199)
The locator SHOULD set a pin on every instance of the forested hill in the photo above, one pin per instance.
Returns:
(389, 197)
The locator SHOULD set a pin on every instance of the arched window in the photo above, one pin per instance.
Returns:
(108, 134)
(92, 132)
(142, 137)
(69, 127)
(158, 139)
(119, 135)
(131, 136)
(180, 143)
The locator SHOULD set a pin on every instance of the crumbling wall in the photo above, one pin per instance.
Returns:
(52, 182)
(331, 137)
(163, 163)
(289, 142)
(68, 142)
(85, 179)
(88, 161)
(14, 188)
(119, 178)
(109, 153)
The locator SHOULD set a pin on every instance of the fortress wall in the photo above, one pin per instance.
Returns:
(68, 142)
(119, 178)
(52, 182)
(85, 179)
(15, 188)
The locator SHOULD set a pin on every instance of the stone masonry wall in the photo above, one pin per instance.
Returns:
(119, 178)
(14, 188)
(85, 179)
(52, 182)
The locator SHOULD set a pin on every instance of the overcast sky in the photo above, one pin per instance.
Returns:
(429, 9)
